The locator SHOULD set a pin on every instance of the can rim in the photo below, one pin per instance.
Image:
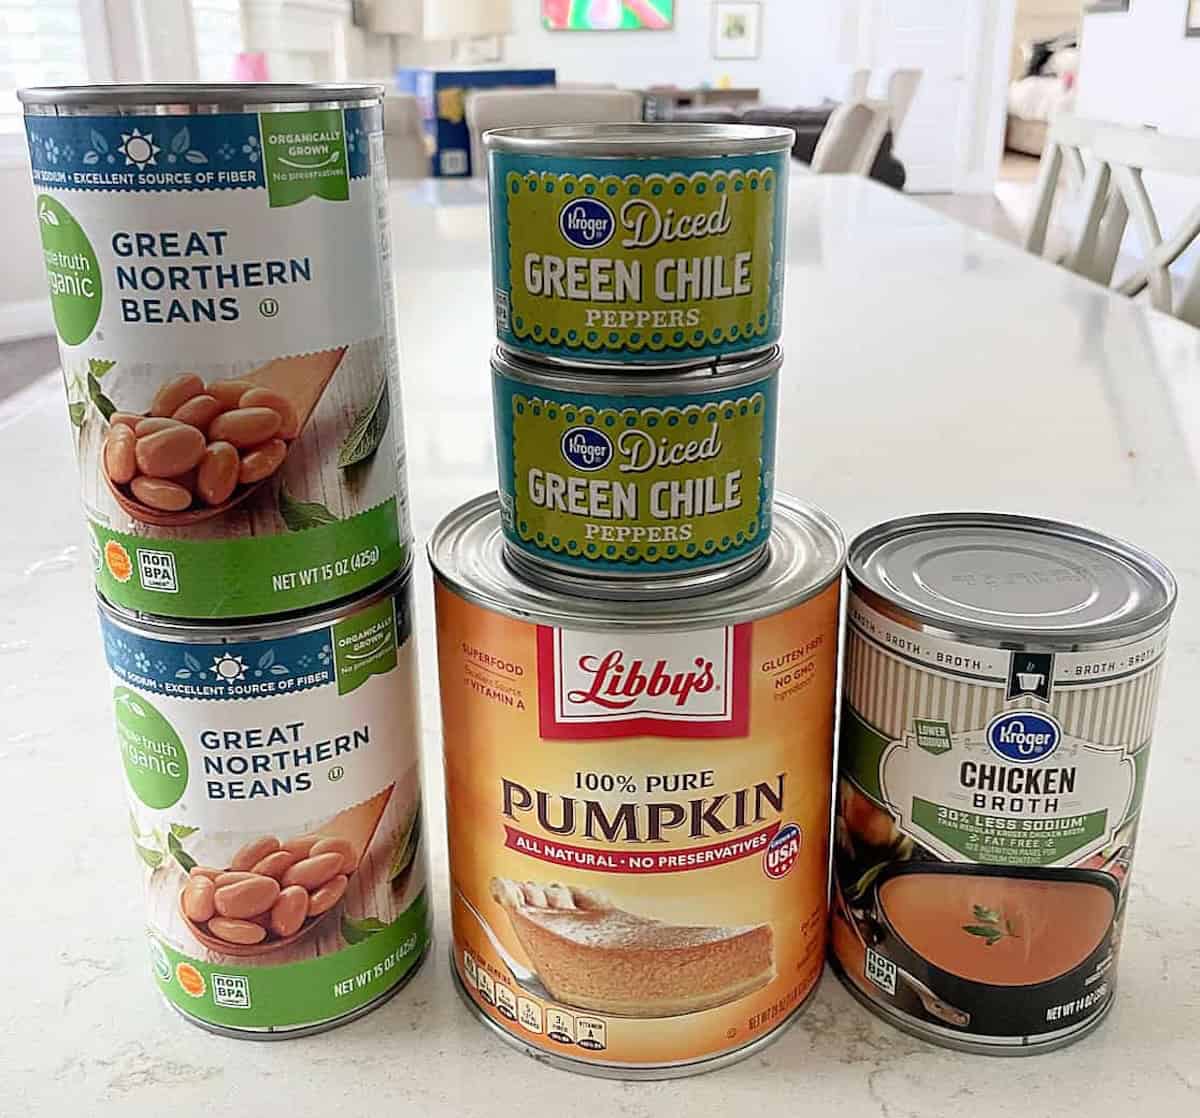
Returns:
(774, 588)
(217, 630)
(711, 375)
(645, 140)
(195, 93)
(998, 635)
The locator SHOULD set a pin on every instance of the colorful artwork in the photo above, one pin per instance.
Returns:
(608, 15)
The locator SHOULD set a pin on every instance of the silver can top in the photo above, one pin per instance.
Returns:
(807, 553)
(1010, 581)
(640, 141)
(70, 100)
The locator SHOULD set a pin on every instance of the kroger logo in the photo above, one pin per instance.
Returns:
(1023, 736)
(586, 448)
(587, 223)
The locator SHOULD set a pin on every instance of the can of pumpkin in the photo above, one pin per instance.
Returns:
(638, 801)
(274, 794)
(1000, 685)
(636, 486)
(651, 244)
(218, 265)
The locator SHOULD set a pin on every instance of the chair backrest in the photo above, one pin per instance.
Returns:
(901, 89)
(1110, 161)
(515, 108)
(403, 138)
(857, 85)
(850, 141)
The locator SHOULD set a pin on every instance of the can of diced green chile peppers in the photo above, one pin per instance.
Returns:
(651, 244)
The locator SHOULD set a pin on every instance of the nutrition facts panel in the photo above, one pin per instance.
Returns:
(578, 1030)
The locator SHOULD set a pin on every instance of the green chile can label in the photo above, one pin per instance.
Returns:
(282, 741)
(192, 259)
(631, 485)
(647, 260)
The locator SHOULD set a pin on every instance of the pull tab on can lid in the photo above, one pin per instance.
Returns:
(1010, 580)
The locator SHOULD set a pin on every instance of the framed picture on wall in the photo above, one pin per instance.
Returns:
(1106, 6)
(737, 28)
(1192, 26)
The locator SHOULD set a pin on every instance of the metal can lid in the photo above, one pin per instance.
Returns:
(807, 553)
(78, 97)
(705, 375)
(1002, 580)
(632, 141)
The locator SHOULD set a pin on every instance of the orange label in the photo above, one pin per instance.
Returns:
(639, 827)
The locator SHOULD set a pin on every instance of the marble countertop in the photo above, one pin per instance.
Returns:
(928, 367)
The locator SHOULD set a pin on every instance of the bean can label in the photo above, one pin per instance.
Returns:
(227, 273)
(987, 817)
(638, 827)
(636, 484)
(275, 803)
(637, 259)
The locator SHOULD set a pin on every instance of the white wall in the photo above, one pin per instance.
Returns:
(1137, 68)
(797, 65)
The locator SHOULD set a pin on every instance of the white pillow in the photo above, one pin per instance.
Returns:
(1063, 62)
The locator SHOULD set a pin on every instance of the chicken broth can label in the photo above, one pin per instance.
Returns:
(638, 827)
(1000, 792)
(274, 808)
(636, 483)
(646, 260)
(228, 273)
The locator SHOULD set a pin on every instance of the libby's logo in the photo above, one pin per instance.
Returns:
(586, 222)
(598, 685)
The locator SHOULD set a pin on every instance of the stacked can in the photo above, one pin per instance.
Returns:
(637, 637)
(220, 282)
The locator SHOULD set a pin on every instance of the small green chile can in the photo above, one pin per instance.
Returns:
(636, 486)
(649, 243)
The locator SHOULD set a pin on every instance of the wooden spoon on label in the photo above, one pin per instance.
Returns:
(357, 825)
(301, 379)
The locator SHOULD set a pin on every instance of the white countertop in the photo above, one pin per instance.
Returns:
(928, 367)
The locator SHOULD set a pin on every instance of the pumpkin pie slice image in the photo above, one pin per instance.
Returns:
(591, 954)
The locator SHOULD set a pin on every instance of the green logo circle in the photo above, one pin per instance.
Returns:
(72, 271)
(156, 763)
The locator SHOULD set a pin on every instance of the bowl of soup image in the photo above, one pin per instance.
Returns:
(1016, 949)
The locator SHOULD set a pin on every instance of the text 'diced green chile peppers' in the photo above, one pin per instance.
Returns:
(636, 484)
(651, 243)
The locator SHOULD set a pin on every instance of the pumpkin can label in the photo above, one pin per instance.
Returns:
(652, 260)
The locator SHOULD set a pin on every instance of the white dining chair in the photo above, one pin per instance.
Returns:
(850, 141)
(404, 146)
(902, 86)
(858, 85)
(515, 108)
(1111, 160)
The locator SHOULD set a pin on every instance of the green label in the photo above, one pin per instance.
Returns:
(156, 763)
(374, 959)
(304, 154)
(253, 575)
(364, 645)
(1004, 841)
(72, 270)
(667, 482)
(932, 736)
(656, 262)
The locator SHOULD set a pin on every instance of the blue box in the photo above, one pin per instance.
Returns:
(443, 97)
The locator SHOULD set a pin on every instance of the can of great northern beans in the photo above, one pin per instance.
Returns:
(275, 809)
(638, 800)
(219, 274)
(636, 486)
(649, 243)
(1000, 684)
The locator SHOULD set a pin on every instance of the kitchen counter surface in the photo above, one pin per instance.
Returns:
(928, 367)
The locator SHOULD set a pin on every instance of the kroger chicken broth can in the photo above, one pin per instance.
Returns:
(275, 808)
(1000, 685)
(636, 485)
(638, 801)
(219, 274)
(647, 243)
